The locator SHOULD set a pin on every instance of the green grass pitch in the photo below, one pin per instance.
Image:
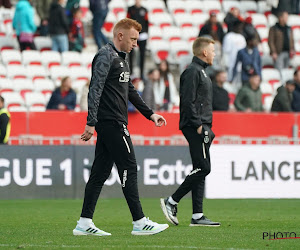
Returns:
(48, 224)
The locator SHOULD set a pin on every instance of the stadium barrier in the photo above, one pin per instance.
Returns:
(238, 171)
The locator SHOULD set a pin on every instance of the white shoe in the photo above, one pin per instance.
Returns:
(89, 230)
(147, 227)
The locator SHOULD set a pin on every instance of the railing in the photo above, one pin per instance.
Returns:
(176, 140)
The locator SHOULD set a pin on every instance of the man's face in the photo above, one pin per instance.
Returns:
(209, 51)
(297, 77)
(284, 18)
(254, 82)
(290, 87)
(221, 77)
(128, 39)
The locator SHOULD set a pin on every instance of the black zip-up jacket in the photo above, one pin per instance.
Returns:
(111, 88)
(58, 23)
(195, 96)
(140, 14)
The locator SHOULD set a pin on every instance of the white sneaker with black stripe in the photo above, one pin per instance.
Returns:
(147, 227)
(91, 229)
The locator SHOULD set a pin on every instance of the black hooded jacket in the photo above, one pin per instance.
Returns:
(58, 22)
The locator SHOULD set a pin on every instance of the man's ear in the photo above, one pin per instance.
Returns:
(205, 52)
(120, 36)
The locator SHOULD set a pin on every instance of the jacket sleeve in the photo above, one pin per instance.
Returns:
(138, 102)
(100, 69)
(72, 103)
(30, 17)
(64, 21)
(188, 96)
(238, 100)
(52, 104)
(271, 40)
(4, 119)
(292, 44)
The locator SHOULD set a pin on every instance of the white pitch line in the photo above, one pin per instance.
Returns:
(118, 246)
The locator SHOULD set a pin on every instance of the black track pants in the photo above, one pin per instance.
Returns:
(113, 145)
(199, 149)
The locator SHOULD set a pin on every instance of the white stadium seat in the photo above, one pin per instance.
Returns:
(11, 57)
(71, 58)
(31, 57)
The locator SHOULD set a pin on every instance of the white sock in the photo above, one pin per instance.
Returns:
(197, 216)
(140, 221)
(172, 201)
(85, 221)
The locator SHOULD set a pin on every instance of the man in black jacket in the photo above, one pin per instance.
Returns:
(109, 91)
(195, 123)
(283, 100)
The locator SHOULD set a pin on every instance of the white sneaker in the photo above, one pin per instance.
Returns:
(147, 227)
(89, 230)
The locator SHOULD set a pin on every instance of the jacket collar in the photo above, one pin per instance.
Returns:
(120, 53)
(200, 62)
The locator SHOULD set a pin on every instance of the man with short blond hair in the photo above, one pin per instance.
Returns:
(195, 122)
(109, 92)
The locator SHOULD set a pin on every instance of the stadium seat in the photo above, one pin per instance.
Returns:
(270, 75)
(87, 58)
(286, 74)
(35, 99)
(161, 19)
(13, 108)
(265, 48)
(6, 85)
(58, 72)
(199, 20)
(267, 103)
(248, 7)
(43, 43)
(193, 7)
(190, 33)
(272, 20)
(71, 58)
(212, 5)
(160, 50)
(80, 73)
(2, 71)
(117, 6)
(23, 86)
(78, 85)
(263, 33)
(154, 6)
(13, 99)
(227, 5)
(179, 49)
(171, 33)
(8, 42)
(263, 8)
(155, 33)
(109, 23)
(259, 21)
(44, 86)
(294, 21)
(37, 108)
(31, 57)
(51, 58)
(10, 57)
(16, 71)
(36, 72)
(184, 19)
(295, 62)
(267, 61)
(176, 6)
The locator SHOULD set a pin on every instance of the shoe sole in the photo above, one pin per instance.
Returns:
(80, 233)
(164, 209)
(149, 232)
(203, 225)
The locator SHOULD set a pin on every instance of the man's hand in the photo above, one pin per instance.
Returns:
(274, 56)
(199, 130)
(88, 133)
(158, 120)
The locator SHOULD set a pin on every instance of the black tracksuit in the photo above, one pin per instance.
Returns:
(109, 92)
(196, 110)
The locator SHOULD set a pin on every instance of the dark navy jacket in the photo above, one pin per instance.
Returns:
(296, 99)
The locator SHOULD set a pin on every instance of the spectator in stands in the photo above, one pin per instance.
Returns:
(71, 7)
(296, 93)
(42, 8)
(136, 83)
(220, 95)
(84, 97)
(231, 18)
(250, 59)
(283, 100)
(249, 97)
(4, 123)
(139, 13)
(232, 43)
(99, 8)
(5, 4)
(213, 28)
(23, 23)
(63, 97)
(76, 36)
(165, 91)
(58, 26)
(249, 30)
(153, 78)
(281, 42)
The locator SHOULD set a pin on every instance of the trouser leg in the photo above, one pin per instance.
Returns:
(101, 169)
(142, 46)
